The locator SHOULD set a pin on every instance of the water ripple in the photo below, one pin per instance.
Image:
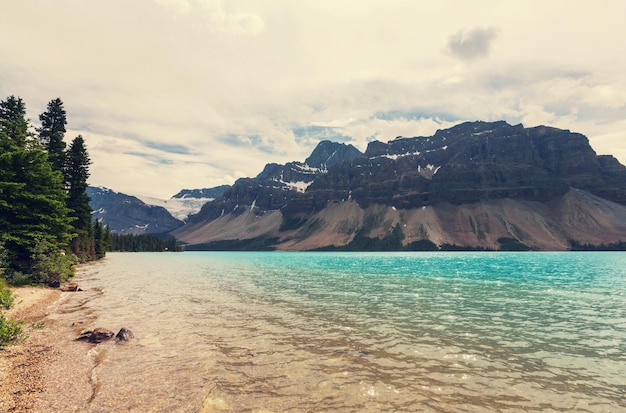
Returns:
(366, 332)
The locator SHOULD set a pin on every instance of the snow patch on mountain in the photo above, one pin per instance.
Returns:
(180, 208)
(299, 186)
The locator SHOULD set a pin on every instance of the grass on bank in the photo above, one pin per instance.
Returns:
(10, 330)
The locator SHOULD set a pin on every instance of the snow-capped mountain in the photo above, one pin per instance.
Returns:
(477, 185)
(126, 214)
(147, 215)
(179, 208)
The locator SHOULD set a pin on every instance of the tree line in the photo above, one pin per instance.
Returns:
(143, 243)
(45, 217)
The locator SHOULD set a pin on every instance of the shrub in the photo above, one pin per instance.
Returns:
(10, 331)
(6, 298)
(51, 265)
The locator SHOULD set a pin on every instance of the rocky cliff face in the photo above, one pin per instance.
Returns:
(204, 193)
(467, 163)
(277, 185)
(506, 167)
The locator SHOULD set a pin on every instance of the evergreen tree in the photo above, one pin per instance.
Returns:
(52, 131)
(142, 243)
(102, 237)
(76, 174)
(13, 123)
(44, 207)
(34, 221)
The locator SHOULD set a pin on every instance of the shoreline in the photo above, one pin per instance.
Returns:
(45, 366)
(22, 363)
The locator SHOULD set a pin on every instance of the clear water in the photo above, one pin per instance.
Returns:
(366, 332)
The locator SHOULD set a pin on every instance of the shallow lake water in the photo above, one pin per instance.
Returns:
(359, 332)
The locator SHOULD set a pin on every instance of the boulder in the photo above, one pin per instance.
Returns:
(97, 335)
(124, 335)
(70, 287)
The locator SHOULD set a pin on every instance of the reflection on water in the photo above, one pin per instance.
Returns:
(359, 332)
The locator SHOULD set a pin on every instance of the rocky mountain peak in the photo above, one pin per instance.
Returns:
(214, 192)
(477, 184)
(327, 154)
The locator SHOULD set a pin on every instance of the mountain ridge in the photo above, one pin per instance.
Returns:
(127, 214)
(147, 215)
(493, 180)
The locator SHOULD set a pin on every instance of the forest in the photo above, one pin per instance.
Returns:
(46, 224)
(45, 217)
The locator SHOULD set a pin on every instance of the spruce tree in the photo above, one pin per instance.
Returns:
(34, 221)
(76, 174)
(52, 131)
(13, 121)
(102, 236)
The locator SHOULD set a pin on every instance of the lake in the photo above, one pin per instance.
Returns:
(358, 332)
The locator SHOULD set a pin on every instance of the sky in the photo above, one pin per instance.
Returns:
(173, 94)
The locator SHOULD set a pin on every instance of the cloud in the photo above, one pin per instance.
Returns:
(212, 14)
(471, 44)
(197, 93)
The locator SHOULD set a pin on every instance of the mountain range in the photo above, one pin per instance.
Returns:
(477, 185)
(127, 214)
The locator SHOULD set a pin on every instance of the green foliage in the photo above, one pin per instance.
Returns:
(3, 262)
(93, 244)
(102, 239)
(617, 246)
(51, 266)
(142, 243)
(76, 174)
(454, 247)
(52, 131)
(38, 325)
(10, 331)
(43, 200)
(6, 297)
(511, 244)
(32, 195)
(251, 244)
(421, 245)
(13, 123)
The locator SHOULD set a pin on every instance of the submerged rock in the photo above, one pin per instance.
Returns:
(96, 335)
(124, 335)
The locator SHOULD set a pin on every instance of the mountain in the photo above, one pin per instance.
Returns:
(127, 214)
(205, 193)
(277, 185)
(477, 185)
(187, 201)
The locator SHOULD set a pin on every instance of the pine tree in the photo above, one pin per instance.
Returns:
(52, 131)
(76, 174)
(13, 122)
(102, 235)
(34, 222)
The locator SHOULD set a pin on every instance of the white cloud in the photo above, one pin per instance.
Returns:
(211, 14)
(196, 93)
(470, 44)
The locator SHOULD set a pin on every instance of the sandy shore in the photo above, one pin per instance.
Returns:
(21, 365)
(38, 372)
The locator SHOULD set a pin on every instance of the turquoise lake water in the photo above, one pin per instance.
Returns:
(434, 332)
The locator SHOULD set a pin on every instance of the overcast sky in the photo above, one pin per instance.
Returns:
(173, 94)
